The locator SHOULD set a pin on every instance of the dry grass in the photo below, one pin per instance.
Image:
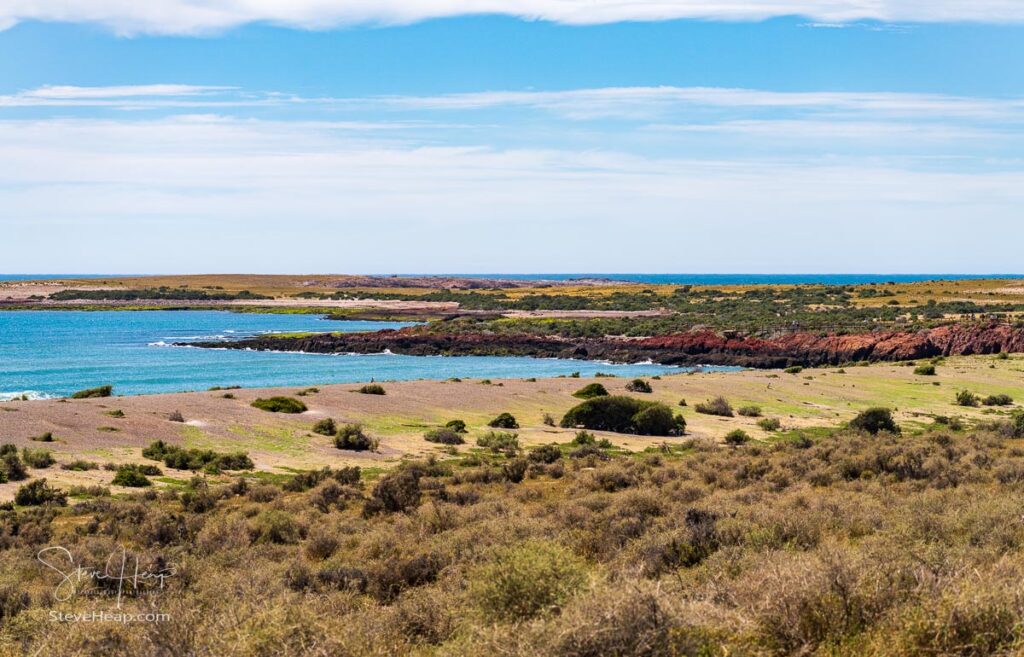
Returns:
(851, 545)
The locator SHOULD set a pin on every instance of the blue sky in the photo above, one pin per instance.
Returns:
(326, 136)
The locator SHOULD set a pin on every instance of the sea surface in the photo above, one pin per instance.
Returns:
(54, 353)
(666, 279)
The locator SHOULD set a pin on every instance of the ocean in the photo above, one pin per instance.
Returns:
(54, 353)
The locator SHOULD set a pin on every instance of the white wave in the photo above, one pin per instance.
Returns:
(29, 395)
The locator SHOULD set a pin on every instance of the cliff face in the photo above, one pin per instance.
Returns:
(699, 347)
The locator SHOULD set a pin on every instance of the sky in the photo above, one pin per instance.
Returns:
(436, 136)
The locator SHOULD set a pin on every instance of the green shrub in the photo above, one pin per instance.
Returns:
(967, 398)
(590, 391)
(625, 415)
(925, 370)
(130, 477)
(351, 437)
(43, 438)
(749, 411)
(37, 458)
(874, 421)
(499, 441)
(770, 423)
(796, 369)
(196, 459)
(638, 385)
(997, 400)
(92, 393)
(326, 427)
(443, 436)
(1017, 424)
(737, 437)
(280, 405)
(718, 406)
(458, 426)
(526, 580)
(1002, 355)
(371, 389)
(38, 492)
(504, 421)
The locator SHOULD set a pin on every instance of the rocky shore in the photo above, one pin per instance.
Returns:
(692, 348)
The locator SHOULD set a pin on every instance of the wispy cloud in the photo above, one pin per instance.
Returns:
(640, 103)
(199, 16)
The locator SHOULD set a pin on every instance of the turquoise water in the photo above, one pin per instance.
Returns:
(54, 353)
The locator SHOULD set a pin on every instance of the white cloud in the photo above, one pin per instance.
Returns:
(198, 16)
(608, 102)
(166, 195)
(66, 92)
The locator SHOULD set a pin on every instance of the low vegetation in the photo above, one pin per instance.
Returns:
(590, 391)
(372, 389)
(625, 415)
(718, 406)
(353, 438)
(881, 544)
(92, 393)
(280, 405)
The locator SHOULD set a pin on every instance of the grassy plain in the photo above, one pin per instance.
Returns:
(813, 398)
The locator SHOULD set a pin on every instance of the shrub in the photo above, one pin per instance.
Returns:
(770, 423)
(625, 415)
(925, 370)
(79, 465)
(736, 438)
(548, 420)
(1017, 424)
(515, 470)
(38, 492)
(874, 421)
(749, 411)
(37, 458)
(43, 438)
(997, 400)
(176, 416)
(545, 454)
(796, 369)
(638, 385)
(590, 391)
(443, 436)
(92, 393)
(196, 459)
(658, 420)
(718, 406)
(326, 427)
(130, 477)
(526, 580)
(504, 421)
(351, 437)
(458, 426)
(371, 389)
(967, 398)
(398, 491)
(274, 526)
(280, 405)
(499, 441)
(12, 466)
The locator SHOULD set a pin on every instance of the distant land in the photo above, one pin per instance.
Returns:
(654, 279)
